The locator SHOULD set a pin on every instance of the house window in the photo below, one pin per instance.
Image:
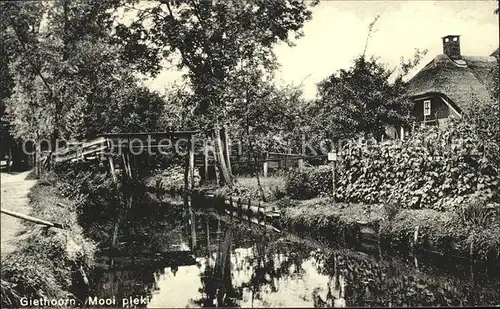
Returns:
(427, 107)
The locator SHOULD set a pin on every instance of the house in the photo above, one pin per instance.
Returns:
(448, 84)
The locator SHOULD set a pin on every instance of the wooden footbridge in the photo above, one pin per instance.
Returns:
(198, 152)
(120, 151)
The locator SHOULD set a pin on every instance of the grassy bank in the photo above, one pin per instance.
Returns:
(48, 262)
(171, 181)
(469, 233)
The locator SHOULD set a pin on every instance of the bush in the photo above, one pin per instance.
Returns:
(438, 168)
(170, 180)
(309, 182)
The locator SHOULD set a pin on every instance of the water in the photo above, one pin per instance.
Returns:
(238, 264)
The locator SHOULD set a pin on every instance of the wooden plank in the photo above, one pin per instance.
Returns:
(97, 141)
(153, 134)
(31, 219)
(81, 146)
(191, 165)
(81, 156)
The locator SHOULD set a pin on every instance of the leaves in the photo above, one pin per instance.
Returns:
(70, 79)
(360, 100)
(413, 173)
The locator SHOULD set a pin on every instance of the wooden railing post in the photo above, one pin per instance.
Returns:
(191, 163)
(249, 210)
(262, 213)
(266, 164)
(231, 207)
(240, 206)
(205, 161)
(193, 226)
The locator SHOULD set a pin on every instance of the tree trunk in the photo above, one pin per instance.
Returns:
(255, 166)
(256, 171)
(227, 149)
(222, 160)
(9, 159)
(216, 168)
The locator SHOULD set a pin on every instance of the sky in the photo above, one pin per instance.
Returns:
(338, 31)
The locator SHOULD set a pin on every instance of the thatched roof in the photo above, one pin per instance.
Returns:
(460, 81)
(496, 53)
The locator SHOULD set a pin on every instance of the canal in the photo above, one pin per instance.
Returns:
(239, 264)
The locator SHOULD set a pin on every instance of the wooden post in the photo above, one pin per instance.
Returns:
(333, 181)
(187, 205)
(9, 158)
(227, 142)
(114, 237)
(266, 164)
(191, 164)
(193, 226)
(249, 211)
(37, 159)
(238, 156)
(186, 174)
(129, 165)
(332, 157)
(231, 207)
(112, 168)
(240, 206)
(262, 210)
(124, 160)
(208, 233)
(415, 237)
(205, 162)
(301, 163)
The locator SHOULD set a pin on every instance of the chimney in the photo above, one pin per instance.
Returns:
(451, 46)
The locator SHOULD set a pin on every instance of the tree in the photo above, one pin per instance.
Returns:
(262, 115)
(211, 38)
(27, 22)
(70, 77)
(362, 100)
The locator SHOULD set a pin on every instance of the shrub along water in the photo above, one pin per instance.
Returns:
(472, 237)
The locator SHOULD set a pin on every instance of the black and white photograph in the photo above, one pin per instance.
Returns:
(249, 153)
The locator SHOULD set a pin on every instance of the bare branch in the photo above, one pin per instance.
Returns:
(370, 32)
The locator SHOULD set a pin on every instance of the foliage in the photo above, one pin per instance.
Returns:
(361, 100)
(238, 30)
(309, 182)
(323, 218)
(167, 180)
(247, 187)
(440, 232)
(439, 168)
(267, 118)
(69, 77)
(445, 233)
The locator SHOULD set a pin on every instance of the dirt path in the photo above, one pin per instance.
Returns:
(14, 192)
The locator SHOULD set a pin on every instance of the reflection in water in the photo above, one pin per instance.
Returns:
(236, 265)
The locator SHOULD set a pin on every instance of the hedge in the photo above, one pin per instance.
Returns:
(438, 168)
